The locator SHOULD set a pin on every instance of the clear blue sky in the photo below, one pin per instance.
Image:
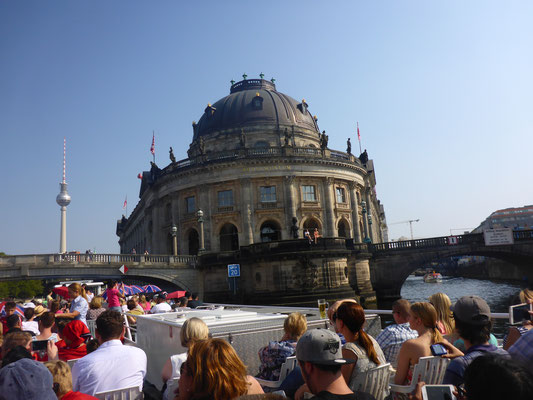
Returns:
(443, 92)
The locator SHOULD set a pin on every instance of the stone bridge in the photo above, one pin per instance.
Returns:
(291, 270)
(393, 262)
(179, 270)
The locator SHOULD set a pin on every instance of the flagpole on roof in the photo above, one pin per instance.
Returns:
(152, 148)
(359, 138)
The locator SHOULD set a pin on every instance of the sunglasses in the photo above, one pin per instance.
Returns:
(334, 317)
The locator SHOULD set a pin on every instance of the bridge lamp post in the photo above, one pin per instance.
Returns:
(200, 215)
(365, 222)
(174, 231)
(369, 227)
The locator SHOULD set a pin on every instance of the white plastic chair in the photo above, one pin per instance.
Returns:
(376, 381)
(286, 368)
(429, 370)
(131, 393)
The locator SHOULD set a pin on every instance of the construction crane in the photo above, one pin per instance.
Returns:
(410, 222)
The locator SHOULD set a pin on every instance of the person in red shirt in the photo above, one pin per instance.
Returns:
(63, 382)
(113, 295)
(73, 344)
(9, 309)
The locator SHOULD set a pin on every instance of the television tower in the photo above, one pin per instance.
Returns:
(63, 199)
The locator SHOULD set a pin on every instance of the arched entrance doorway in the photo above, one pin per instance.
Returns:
(343, 229)
(229, 238)
(270, 231)
(193, 242)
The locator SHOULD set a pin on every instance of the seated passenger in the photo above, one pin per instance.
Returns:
(112, 366)
(214, 371)
(193, 329)
(74, 342)
(133, 309)
(63, 382)
(349, 320)
(393, 336)
(445, 321)
(522, 350)
(162, 306)
(423, 319)
(492, 377)
(26, 379)
(14, 339)
(275, 354)
(29, 323)
(95, 307)
(473, 324)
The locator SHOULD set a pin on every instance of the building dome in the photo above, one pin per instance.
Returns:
(252, 103)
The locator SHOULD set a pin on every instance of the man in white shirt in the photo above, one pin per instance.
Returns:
(112, 366)
(162, 306)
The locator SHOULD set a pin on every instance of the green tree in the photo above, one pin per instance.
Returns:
(21, 289)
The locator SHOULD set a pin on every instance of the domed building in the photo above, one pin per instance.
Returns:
(259, 173)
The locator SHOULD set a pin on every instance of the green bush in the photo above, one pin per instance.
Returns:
(25, 289)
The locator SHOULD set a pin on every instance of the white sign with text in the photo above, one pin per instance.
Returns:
(498, 236)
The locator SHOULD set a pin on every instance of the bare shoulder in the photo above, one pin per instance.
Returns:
(255, 387)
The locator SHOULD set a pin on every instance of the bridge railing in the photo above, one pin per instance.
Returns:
(98, 259)
(471, 238)
(427, 243)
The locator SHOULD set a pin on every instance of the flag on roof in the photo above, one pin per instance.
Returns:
(152, 148)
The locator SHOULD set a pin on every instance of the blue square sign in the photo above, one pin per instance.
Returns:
(234, 270)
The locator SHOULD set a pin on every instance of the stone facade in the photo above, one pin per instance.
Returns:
(256, 162)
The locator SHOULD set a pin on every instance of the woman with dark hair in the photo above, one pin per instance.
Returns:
(214, 371)
(349, 320)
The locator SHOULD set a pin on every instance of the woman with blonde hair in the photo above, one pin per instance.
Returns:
(63, 381)
(79, 305)
(442, 305)
(145, 304)
(213, 370)
(423, 319)
(193, 329)
(95, 307)
(349, 320)
(275, 354)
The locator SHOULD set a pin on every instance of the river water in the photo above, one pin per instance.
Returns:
(497, 294)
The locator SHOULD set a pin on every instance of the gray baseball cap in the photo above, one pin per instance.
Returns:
(321, 346)
(26, 379)
(472, 310)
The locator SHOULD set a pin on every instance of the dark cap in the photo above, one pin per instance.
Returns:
(472, 310)
(322, 347)
(26, 379)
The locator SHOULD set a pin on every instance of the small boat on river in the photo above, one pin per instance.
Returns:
(433, 277)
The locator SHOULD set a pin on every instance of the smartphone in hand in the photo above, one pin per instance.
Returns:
(438, 349)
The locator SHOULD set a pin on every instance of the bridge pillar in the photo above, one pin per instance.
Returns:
(359, 277)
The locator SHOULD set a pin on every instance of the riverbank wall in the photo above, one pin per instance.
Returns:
(492, 269)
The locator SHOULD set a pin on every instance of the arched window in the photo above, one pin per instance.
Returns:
(193, 242)
(311, 224)
(229, 238)
(169, 245)
(270, 231)
(343, 228)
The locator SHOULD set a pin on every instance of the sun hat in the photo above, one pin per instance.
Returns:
(320, 346)
(472, 310)
(39, 310)
(26, 379)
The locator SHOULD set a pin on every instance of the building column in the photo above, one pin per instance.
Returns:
(205, 205)
(355, 213)
(247, 210)
(176, 221)
(290, 203)
(368, 210)
(329, 208)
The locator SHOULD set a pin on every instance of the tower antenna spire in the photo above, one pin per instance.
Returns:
(64, 159)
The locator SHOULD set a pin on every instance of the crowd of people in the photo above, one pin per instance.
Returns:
(332, 363)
